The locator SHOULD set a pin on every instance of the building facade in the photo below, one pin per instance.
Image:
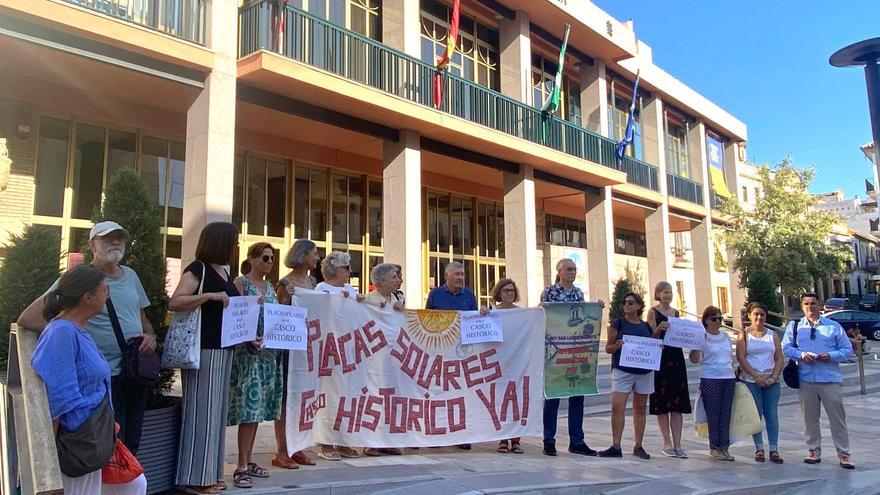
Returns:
(317, 119)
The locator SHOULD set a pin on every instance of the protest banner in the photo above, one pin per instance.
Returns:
(284, 327)
(378, 378)
(684, 333)
(641, 352)
(571, 349)
(240, 320)
(476, 328)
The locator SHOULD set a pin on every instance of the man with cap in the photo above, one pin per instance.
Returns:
(107, 242)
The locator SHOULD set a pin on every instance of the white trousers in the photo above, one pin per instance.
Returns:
(90, 484)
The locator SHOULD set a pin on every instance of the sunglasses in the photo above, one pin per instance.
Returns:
(715, 318)
(267, 258)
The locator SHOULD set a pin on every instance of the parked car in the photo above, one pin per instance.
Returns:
(836, 304)
(868, 323)
(870, 302)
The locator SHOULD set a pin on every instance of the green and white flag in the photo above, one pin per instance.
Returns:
(552, 103)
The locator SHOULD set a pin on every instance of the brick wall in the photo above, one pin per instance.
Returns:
(17, 200)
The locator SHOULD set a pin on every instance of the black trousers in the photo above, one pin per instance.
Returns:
(129, 402)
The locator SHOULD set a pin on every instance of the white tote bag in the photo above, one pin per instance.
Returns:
(183, 344)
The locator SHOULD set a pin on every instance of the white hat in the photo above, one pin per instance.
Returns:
(103, 228)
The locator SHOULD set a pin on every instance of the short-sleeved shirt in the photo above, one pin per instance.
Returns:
(716, 362)
(212, 311)
(76, 375)
(129, 299)
(442, 298)
(556, 293)
(625, 327)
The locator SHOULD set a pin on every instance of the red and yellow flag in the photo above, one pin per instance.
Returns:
(443, 63)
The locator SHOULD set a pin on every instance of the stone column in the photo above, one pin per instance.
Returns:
(210, 132)
(594, 98)
(704, 256)
(521, 235)
(516, 57)
(401, 26)
(402, 212)
(696, 138)
(738, 294)
(600, 244)
(659, 246)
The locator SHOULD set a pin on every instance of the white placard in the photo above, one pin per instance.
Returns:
(284, 327)
(641, 352)
(687, 334)
(476, 328)
(240, 320)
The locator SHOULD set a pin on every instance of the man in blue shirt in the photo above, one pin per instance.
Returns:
(820, 345)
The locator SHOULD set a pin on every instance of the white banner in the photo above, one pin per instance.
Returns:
(379, 378)
(476, 328)
(687, 334)
(641, 352)
(240, 319)
(284, 327)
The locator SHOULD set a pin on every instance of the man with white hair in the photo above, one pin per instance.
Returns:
(107, 242)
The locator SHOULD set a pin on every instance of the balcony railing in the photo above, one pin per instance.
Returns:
(683, 188)
(319, 43)
(183, 19)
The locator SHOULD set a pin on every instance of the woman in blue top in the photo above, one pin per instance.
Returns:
(625, 380)
(76, 375)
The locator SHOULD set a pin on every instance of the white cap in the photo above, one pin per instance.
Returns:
(103, 228)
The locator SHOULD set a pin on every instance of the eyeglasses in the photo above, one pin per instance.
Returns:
(716, 318)
(346, 267)
(268, 258)
(509, 290)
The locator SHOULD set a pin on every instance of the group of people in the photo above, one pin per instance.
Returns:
(79, 359)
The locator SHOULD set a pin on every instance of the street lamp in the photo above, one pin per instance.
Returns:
(867, 53)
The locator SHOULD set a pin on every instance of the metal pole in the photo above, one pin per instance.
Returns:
(872, 81)
(860, 345)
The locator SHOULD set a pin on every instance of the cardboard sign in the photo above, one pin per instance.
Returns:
(641, 352)
(687, 334)
(240, 320)
(476, 328)
(284, 327)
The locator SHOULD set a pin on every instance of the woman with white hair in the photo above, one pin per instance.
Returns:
(387, 278)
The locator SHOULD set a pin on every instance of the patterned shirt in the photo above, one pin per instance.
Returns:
(556, 294)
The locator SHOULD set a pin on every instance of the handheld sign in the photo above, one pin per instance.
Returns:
(641, 352)
(687, 334)
(476, 328)
(284, 327)
(240, 320)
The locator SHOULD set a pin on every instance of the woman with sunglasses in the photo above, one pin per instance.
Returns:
(255, 384)
(759, 353)
(717, 383)
(505, 295)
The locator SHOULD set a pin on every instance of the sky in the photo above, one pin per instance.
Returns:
(766, 63)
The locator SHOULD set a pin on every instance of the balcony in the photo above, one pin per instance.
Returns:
(184, 19)
(683, 188)
(318, 43)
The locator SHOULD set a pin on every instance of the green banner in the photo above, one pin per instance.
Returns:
(571, 349)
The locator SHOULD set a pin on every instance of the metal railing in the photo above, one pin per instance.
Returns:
(322, 44)
(684, 188)
(183, 19)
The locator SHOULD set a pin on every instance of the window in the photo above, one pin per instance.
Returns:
(543, 75)
(630, 243)
(52, 157)
(360, 16)
(745, 194)
(757, 193)
(723, 300)
(476, 54)
(676, 148)
(562, 231)
(618, 116)
(682, 249)
(162, 169)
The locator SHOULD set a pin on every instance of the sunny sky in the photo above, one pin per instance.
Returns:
(767, 64)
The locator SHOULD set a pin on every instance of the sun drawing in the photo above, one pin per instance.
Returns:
(434, 329)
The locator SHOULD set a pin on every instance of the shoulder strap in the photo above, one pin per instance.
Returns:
(117, 328)
(794, 327)
(204, 275)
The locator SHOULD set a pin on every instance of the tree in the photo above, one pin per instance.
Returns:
(782, 242)
(31, 266)
(127, 203)
(622, 287)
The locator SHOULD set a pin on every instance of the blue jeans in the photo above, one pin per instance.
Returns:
(767, 400)
(575, 420)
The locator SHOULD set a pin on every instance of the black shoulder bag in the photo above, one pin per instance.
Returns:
(136, 367)
(87, 449)
(790, 372)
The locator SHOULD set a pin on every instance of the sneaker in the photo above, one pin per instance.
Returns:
(550, 449)
(582, 449)
(639, 452)
(668, 452)
(727, 456)
(611, 452)
(717, 455)
(347, 452)
(813, 457)
(845, 462)
(681, 454)
(329, 453)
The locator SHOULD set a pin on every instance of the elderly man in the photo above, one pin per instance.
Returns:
(107, 241)
(818, 345)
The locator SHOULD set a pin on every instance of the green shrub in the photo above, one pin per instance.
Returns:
(621, 288)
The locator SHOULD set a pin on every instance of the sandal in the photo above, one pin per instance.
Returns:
(285, 463)
(774, 456)
(502, 447)
(372, 452)
(241, 479)
(201, 490)
(390, 451)
(257, 471)
(759, 455)
(515, 448)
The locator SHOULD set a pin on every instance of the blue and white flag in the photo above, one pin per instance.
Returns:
(630, 123)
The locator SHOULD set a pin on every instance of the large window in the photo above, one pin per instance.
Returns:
(562, 231)
(476, 54)
(543, 75)
(630, 242)
(360, 16)
(682, 249)
(618, 115)
(677, 161)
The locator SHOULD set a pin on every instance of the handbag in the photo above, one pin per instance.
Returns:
(87, 449)
(183, 344)
(790, 372)
(136, 367)
(122, 467)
